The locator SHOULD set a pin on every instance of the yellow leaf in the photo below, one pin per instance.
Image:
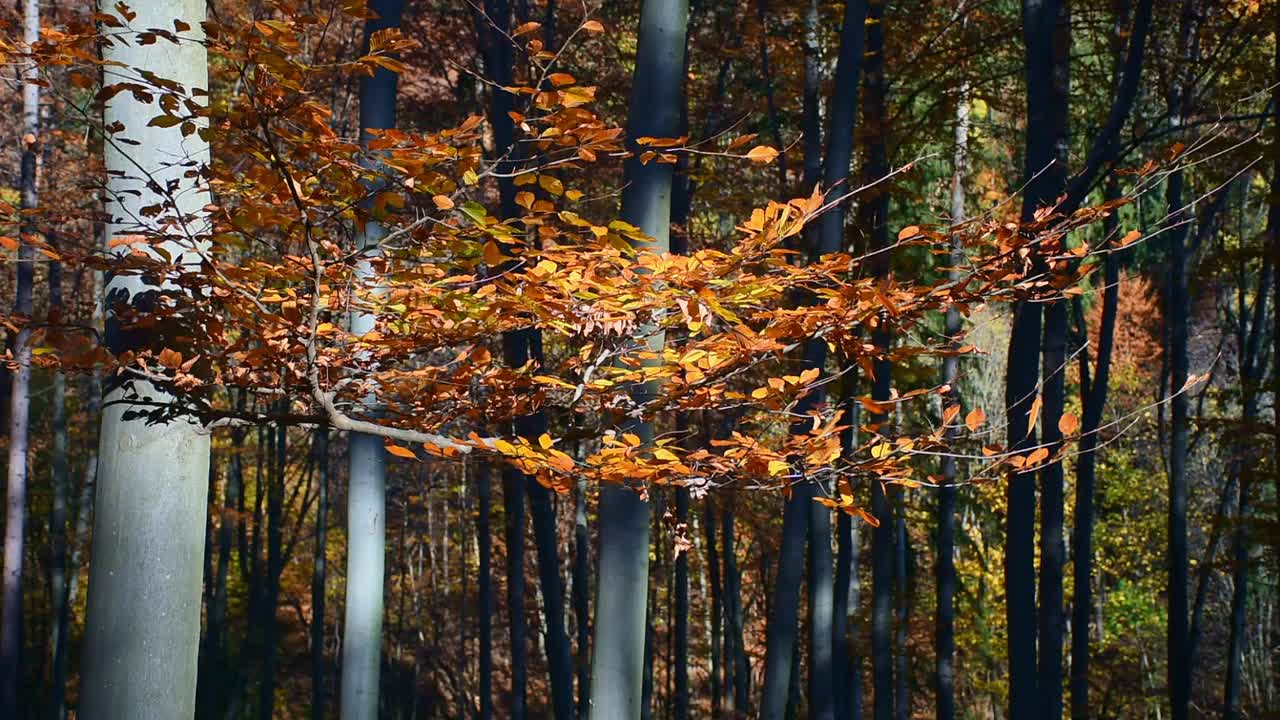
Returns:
(545, 442)
(777, 467)
(665, 454)
(881, 451)
(551, 184)
(762, 154)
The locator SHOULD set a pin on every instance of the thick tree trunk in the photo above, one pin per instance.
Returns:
(367, 462)
(1052, 560)
(618, 658)
(1044, 28)
(319, 577)
(821, 614)
(143, 626)
(20, 395)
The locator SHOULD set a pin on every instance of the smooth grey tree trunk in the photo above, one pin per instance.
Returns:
(709, 524)
(367, 462)
(618, 658)
(484, 591)
(20, 395)
(143, 621)
(581, 595)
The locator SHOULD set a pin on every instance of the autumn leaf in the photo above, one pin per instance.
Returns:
(399, 451)
(442, 202)
(974, 419)
(761, 154)
(1068, 424)
(1033, 415)
(593, 26)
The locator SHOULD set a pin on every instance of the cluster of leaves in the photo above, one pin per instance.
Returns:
(714, 331)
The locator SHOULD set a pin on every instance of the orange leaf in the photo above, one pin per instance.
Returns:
(1068, 424)
(762, 154)
(399, 451)
(974, 419)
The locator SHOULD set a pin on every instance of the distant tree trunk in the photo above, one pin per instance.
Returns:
(618, 657)
(581, 593)
(484, 590)
(20, 396)
(733, 613)
(142, 630)
(1249, 340)
(61, 486)
(367, 474)
(874, 210)
(828, 238)
(944, 638)
(717, 628)
(275, 566)
(319, 568)
(1273, 233)
(681, 660)
(513, 494)
(1094, 402)
(903, 573)
(821, 614)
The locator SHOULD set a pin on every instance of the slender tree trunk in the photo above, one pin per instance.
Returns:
(709, 525)
(944, 639)
(821, 614)
(1093, 402)
(617, 662)
(1249, 341)
(513, 495)
(1177, 313)
(827, 239)
(581, 593)
(681, 660)
(143, 627)
(733, 613)
(319, 568)
(20, 394)
(874, 211)
(61, 485)
(484, 590)
(367, 462)
(275, 566)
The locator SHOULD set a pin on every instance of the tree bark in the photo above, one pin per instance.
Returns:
(484, 590)
(143, 625)
(367, 462)
(20, 395)
(319, 576)
(617, 662)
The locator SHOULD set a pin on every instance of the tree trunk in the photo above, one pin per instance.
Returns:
(1177, 313)
(617, 662)
(143, 625)
(709, 525)
(733, 614)
(275, 566)
(944, 638)
(581, 593)
(20, 395)
(821, 614)
(367, 462)
(484, 590)
(1044, 28)
(319, 568)
(61, 482)
(681, 660)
